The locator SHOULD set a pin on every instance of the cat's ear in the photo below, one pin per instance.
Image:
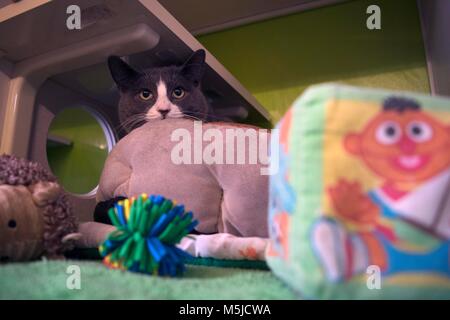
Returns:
(194, 67)
(121, 72)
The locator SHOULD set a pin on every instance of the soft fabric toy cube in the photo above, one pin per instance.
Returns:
(360, 206)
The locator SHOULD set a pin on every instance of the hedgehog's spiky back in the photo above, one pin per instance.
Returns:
(58, 216)
(148, 229)
(18, 171)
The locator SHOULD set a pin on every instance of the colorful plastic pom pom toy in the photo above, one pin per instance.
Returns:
(148, 229)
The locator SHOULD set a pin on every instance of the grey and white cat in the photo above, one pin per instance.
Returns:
(160, 93)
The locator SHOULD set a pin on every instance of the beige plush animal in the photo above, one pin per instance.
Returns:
(35, 216)
(229, 198)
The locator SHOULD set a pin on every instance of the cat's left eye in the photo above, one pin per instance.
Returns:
(178, 93)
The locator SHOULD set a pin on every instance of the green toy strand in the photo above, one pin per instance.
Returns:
(113, 217)
(115, 255)
(139, 251)
(140, 214)
(117, 235)
(125, 250)
(166, 205)
(143, 263)
(153, 213)
(179, 231)
(148, 208)
(143, 223)
(132, 217)
(169, 229)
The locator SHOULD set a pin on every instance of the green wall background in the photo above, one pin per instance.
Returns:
(277, 59)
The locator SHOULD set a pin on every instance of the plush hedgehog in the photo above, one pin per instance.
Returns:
(36, 218)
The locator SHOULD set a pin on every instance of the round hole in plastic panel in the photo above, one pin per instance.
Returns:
(78, 143)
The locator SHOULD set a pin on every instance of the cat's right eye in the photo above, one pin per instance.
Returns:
(145, 95)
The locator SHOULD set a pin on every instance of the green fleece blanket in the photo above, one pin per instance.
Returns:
(48, 280)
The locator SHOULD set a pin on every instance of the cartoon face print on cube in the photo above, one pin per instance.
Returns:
(408, 151)
(403, 145)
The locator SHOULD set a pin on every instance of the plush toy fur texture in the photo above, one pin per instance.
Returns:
(35, 215)
(230, 198)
